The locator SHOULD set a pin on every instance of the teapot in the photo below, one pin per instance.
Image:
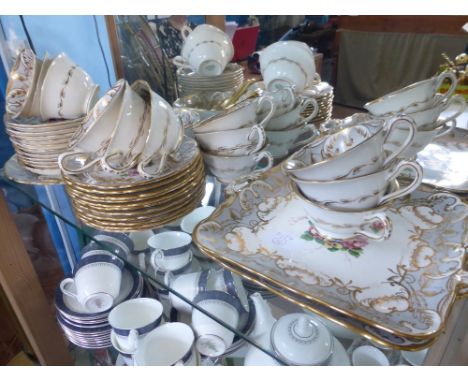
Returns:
(296, 338)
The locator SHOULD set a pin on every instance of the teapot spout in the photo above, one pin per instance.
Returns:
(264, 319)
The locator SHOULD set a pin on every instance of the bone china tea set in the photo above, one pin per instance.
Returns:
(309, 203)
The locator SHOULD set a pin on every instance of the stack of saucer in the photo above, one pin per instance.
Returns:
(323, 94)
(45, 103)
(92, 330)
(38, 144)
(128, 201)
(192, 83)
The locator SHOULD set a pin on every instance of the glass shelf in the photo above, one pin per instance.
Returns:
(156, 287)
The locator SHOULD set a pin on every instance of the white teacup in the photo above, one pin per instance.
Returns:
(286, 141)
(293, 117)
(187, 285)
(67, 91)
(248, 112)
(421, 139)
(91, 141)
(369, 356)
(345, 225)
(140, 239)
(95, 283)
(213, 339)
(170, 344)
(131, 320)
(165, 130)
(414, 97)
(231, 283)
(355, 150)
(287, 64)
(427, 118)
(243, 141)
(118, 243)
(170, 250)
(361, 192)
(206, 49)
(228, 168)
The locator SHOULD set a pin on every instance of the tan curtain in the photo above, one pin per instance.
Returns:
(372, 64)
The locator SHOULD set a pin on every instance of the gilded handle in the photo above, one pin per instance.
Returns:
(453, 83)
(409, 138)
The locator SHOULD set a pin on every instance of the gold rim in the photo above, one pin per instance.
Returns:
(148, 203)
(137, 185)
(152, 184)
(140, 197)
(252, 278)
(229, 201)
(142, 213)
(139, 226)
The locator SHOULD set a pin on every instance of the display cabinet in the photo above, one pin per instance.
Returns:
(25, 294)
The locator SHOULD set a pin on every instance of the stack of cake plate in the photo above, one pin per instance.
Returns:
(323, 94)
(128, 202)
(92, 330)
(191, 83)
(38, 144)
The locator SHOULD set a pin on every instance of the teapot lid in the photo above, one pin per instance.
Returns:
(299, 339)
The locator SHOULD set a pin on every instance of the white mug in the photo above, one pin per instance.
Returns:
(188, 285)
(96, 282)
(132, 320)
(170, 250)
(213, 339)
(170, 344)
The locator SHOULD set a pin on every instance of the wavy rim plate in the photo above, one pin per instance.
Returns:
(425, 248)
(103, 180)
(445, 162)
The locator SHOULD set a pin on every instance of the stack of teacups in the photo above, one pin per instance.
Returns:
(288, 64)
(45, 104)
(347, 178)
(233, 142)
(83, 302)
(287, 126)
(206, 50)
(424, 105)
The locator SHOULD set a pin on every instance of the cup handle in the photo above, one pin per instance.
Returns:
(459, 101)
(261, 137)
(310, 101)
(441, 132)
(408, 189)
(264, 155)
(108, 166)
(180, 62)
(185, 31)
(441, 78)
(155, 260)
(408, 141)
(63, 287)
(133, 339)
(141, 166)
(377, 227)
(64, 158)
(271, 112)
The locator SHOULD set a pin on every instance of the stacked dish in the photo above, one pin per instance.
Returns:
(127, 201)
(45, 104)
(288, 130)
(422, 102)
(323, 94)
(233, 142)
(92, 330)
(38, 144)
(190, 82)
